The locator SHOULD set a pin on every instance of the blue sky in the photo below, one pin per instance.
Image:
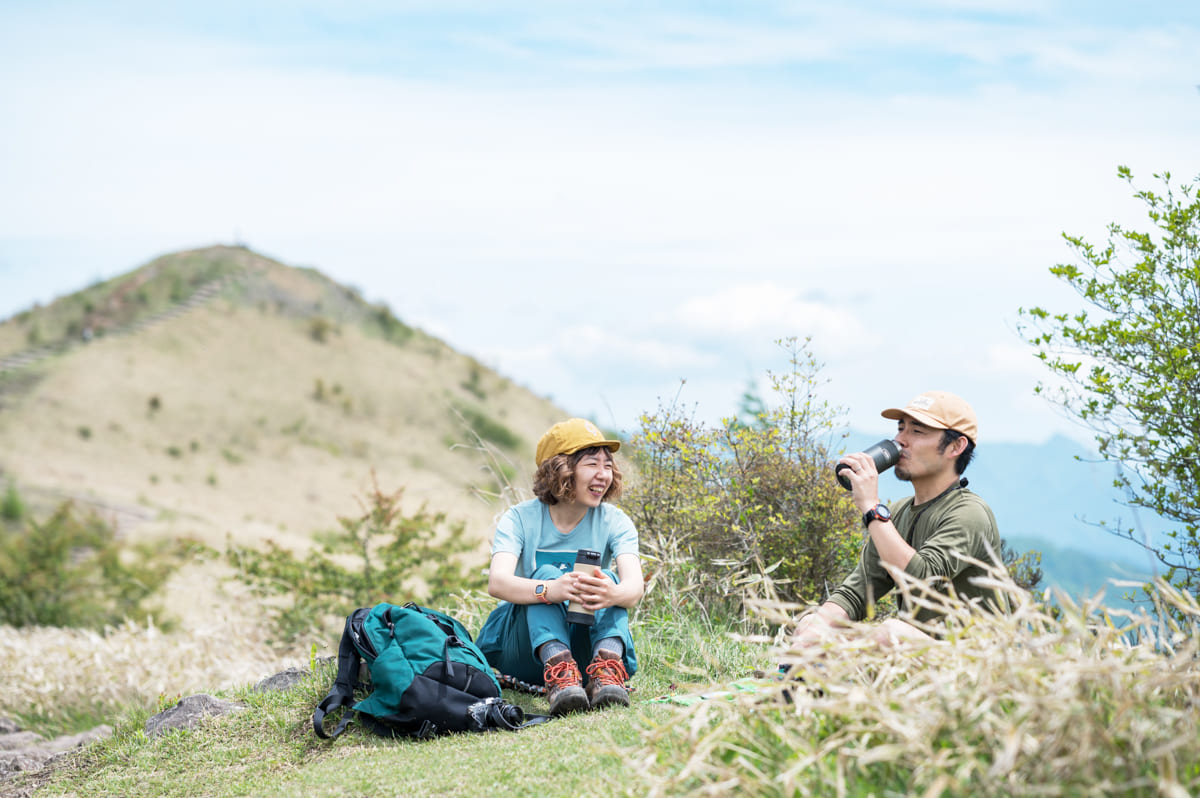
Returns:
(602, 200)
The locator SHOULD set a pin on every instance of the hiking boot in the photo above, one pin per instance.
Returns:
(606, 680)
(564, 685)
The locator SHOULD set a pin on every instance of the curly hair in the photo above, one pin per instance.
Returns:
(554, 480)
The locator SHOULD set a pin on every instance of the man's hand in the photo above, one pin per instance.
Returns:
(863, 478)
(819, 626)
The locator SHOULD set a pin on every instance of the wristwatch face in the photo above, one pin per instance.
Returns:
(539, 589)
(879, 511)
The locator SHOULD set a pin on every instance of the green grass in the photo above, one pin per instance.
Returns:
(271, 750)
(1031, 703)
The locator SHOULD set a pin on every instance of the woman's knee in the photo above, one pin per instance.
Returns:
(546, 573)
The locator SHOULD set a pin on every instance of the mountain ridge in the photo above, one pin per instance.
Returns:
(264, 412)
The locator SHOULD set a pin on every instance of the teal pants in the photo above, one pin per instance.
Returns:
(513, 632)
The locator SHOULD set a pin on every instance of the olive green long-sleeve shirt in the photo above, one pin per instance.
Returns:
(957, 521)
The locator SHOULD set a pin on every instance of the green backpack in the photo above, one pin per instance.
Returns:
(427, 677)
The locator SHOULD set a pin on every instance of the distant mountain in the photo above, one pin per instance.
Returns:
(1051, 497)
(217, 392)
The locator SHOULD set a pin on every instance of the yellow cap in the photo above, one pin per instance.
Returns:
(568, 437)
(940, 410)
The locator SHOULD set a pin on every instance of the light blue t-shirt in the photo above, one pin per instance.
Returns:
(527, 531)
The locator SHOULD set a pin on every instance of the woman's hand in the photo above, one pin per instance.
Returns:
(595, 590)
(565, 588)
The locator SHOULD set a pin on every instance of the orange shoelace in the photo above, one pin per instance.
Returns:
(608, 671)
(563, 674)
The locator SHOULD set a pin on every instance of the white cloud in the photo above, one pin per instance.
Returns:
(723, 180)
(768, 311)
(586, 348)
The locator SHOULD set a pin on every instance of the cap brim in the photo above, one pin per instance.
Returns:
(612, 446)
(896, 413)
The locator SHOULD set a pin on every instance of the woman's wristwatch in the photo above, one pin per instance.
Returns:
(540, 590)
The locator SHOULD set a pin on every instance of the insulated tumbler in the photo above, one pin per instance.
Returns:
(586, 561)
(886, 454)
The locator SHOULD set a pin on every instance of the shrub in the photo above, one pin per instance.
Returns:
(70, 570)
(474, 382)
(380, 555)
(12, 508)
(744, 511)
(485, 427)
(390, 327)
(1025, 568)
(320, 329)
(1127, 366)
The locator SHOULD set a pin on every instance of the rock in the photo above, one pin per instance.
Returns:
(22, 760)
(22, 751)
(188, 712)
(283, 680)
(68, 741)
(13, 741)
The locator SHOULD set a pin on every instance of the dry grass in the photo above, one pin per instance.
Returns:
(50, 672)
(240, 444)
(1021, 704)
(1030, 703)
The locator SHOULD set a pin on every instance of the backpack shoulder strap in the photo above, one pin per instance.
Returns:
(342, 693)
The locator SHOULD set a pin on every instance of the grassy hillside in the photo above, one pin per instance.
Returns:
(217, 393)
(1018, 705)
(262, 410)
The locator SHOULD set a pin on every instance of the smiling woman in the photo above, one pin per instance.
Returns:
(555, 552)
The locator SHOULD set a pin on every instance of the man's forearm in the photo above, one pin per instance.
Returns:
(892, 548)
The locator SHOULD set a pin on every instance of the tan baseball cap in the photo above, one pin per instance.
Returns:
(940, 410)
(568, 437)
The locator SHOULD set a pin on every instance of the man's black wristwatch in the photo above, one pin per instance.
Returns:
(879, 512)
